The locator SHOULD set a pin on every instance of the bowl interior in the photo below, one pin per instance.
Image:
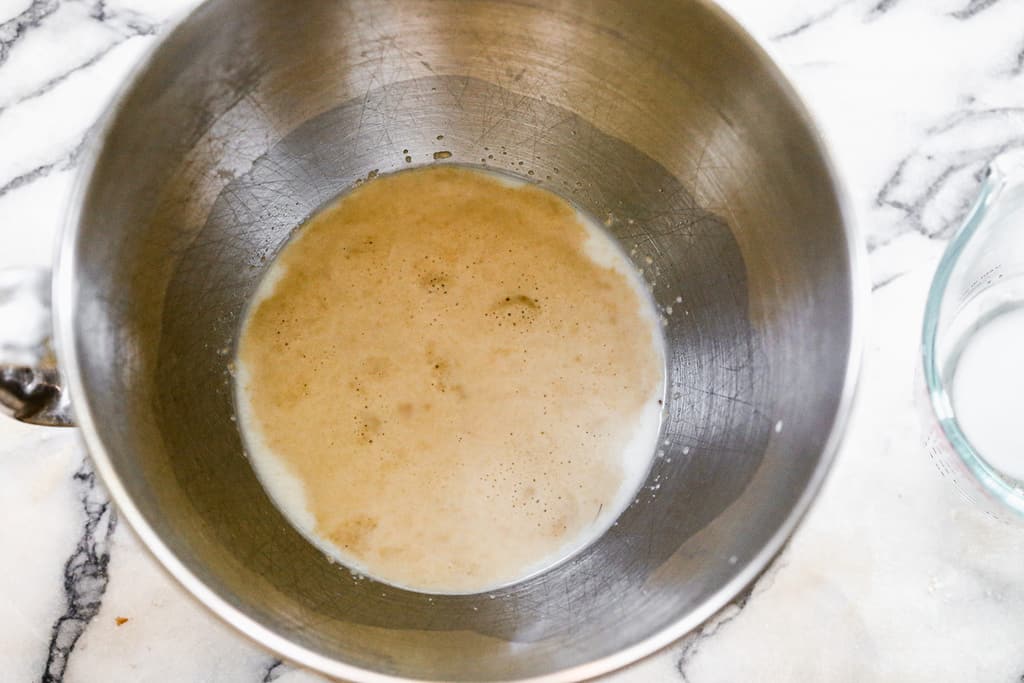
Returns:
(663, 119)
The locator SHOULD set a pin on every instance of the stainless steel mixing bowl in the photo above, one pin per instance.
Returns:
(663, 118)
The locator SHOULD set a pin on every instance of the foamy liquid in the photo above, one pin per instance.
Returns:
(636, 432)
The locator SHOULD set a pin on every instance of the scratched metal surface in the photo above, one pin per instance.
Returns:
(657, 118)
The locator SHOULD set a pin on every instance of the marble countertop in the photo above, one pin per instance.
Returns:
(890, 578)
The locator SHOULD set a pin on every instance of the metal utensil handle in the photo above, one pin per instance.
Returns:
(31, 389)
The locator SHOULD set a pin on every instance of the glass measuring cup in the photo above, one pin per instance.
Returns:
(973, 350)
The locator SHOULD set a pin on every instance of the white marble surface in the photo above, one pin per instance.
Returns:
(890, 578)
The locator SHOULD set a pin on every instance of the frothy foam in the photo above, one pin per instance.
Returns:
(353, 478)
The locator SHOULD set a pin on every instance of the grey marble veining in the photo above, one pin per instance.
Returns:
(889, 578)
(85, 573)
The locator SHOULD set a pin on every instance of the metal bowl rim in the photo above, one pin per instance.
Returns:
(64, 294)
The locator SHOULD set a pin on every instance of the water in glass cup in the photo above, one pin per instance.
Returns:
(972, 350)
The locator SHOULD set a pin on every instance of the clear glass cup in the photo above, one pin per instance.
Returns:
(973, 348)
